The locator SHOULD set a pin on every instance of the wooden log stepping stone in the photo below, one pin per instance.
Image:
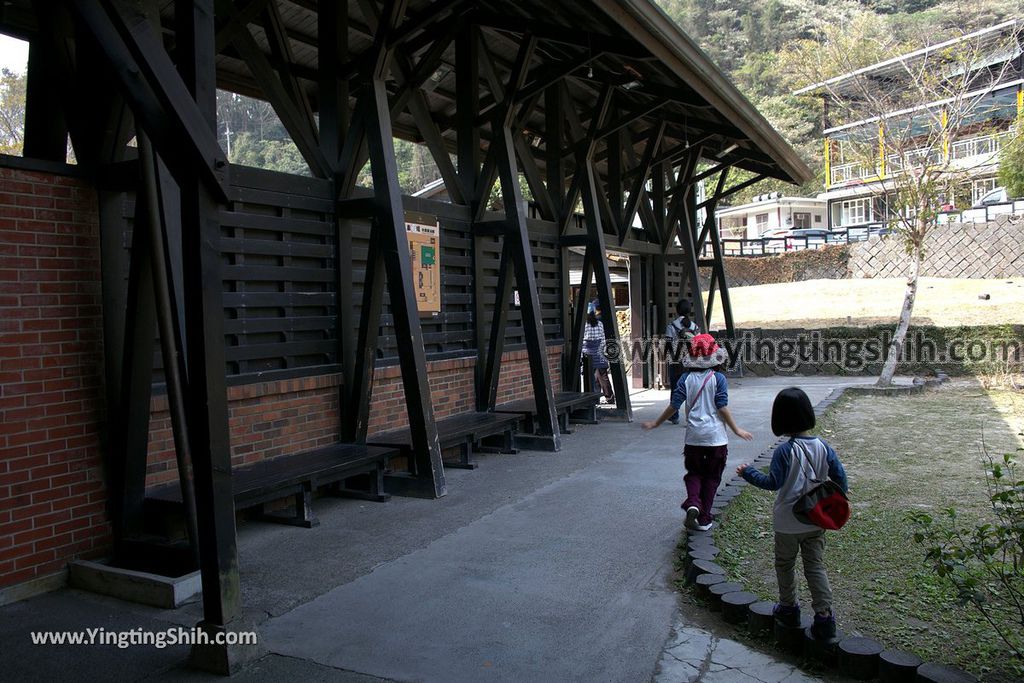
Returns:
(761, 619)
(697, 533)
(706, 581)
(700, 543)
(715, 511)
(698, 567)
(825, 651)
(858, 658)
(897, 666)
(940, 673)
(716, 592)
(702, 554)
(791, 638)
(735, 606)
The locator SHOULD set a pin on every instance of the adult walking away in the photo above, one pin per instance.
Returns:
(679, 331)
(593, 346)
(704, 393)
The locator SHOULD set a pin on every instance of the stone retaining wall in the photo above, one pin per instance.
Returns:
(960, 250)
(956, 250)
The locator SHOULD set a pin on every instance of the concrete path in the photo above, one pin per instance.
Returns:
(567, 582)
(536, 566)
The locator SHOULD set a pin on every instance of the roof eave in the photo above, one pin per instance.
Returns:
(652, 28)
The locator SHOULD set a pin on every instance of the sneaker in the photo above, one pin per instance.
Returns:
(674, 420)
(824, 626)
(691, 517)
(787, 615)
(705, 527)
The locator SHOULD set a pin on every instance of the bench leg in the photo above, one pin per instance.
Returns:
(463, 463)
(503, 443)
(510, 442)
(563, 422)
(374, 491)
(586, 415)
(303, 512)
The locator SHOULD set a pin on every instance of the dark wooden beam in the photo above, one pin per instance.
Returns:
(282, 91)
(534, 179)
(575, 335)
(136, 377)
(635, 192)
(158, 97)
(491, 360)
(586, 150)
(420, 111)
(554, 129)
(517, 243)
(207, 409)
(467, 90)
(567, 35)
(46, 131)
(596, 248)
(732, 190)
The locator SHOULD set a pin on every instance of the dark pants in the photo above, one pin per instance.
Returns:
(601, 376)
(704, 467)
(674, 373)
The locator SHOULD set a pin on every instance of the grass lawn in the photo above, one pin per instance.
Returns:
(901, 454)
(941, 302)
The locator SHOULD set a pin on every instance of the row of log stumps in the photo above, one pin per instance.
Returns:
(855, 656)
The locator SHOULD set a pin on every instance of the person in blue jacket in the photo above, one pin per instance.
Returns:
(795, 464)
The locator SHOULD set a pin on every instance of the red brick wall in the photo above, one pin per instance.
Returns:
(266, 419)
(452, 385)
(289, 416)
(52, 497)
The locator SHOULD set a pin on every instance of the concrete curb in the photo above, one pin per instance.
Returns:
(858, 657)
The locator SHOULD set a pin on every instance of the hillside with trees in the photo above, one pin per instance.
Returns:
(771, 48)
(768, 48)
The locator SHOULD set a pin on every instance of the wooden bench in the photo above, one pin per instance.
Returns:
(469, 432)
(570, 407)
(298, 476)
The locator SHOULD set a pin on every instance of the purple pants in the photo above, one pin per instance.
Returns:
(704, 467)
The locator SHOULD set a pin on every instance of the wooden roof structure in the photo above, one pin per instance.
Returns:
(603, 105)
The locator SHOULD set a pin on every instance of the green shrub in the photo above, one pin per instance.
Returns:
(985, 565)
(1011, 166)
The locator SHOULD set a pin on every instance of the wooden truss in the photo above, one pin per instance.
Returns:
(636, 190)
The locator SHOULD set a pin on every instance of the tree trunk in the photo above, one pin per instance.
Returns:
(896, 347)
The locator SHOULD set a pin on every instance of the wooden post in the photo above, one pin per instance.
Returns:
(207, 409)
(595, 234)
(394, 253)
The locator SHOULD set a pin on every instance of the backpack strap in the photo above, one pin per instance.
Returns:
(701, 390)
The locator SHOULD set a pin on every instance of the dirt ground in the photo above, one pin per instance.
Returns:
(821, 303)
(901, 454)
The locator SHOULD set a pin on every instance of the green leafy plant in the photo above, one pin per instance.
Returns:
(1011, 166)
(984, 564)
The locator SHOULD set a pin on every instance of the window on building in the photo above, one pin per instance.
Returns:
(801, 220)
(856, 211)
(761, 221)
(980, 188)
(817, 218)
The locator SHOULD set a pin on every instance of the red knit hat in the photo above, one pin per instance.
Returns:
(705, 353)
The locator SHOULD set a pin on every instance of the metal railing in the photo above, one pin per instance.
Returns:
(770, 246)
(984, 214)
(844, 173)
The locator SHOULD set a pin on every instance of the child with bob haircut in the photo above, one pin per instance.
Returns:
(703, 392)
(794, 463)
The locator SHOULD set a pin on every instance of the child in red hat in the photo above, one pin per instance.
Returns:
(704, 392)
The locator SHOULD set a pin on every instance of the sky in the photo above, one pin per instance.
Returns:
(13, 54)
